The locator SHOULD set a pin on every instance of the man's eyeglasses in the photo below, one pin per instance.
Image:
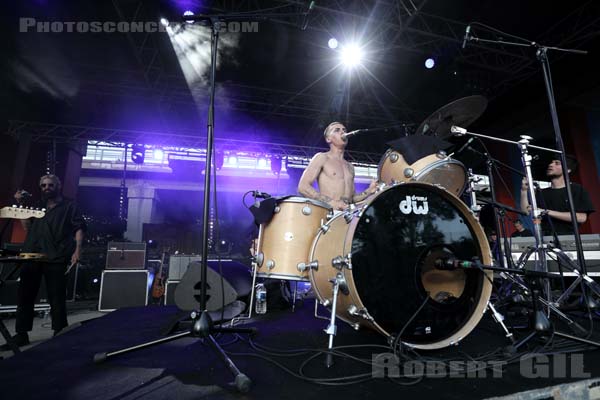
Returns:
(43, 185)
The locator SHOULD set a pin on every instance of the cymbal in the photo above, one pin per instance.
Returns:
(462, 112)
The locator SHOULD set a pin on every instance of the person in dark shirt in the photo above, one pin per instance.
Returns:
(554, 202)
(59, 236)
(520, 230)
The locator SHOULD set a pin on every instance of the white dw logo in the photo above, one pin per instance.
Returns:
(411, 205)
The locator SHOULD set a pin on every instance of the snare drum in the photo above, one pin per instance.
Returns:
(434, 168)
(284, 242)
(384, 257)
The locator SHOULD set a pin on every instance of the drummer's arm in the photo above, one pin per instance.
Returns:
(309, 176)
(366, 193)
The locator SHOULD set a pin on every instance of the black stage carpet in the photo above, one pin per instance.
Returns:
(188, 369)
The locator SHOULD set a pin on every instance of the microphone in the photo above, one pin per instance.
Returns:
(464, 146)
(458, 130)
(305, 20)
(260, 195)
(352, 133)
(467, 31)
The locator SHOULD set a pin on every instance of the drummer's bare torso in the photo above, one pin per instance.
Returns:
(336, 177)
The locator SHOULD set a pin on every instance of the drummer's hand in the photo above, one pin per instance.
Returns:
(338, 204)
(524, 185)
(373, 186)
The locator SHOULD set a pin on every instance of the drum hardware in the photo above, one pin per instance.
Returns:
(363, 313)
(348, 217)
(303, 267)
(394, 157)
(499, 318)
(338, 283)
(324, 227)
(409, 172)
(306, 210)
(259, 259)
(475, 208)
(341, 262)
(270, 264)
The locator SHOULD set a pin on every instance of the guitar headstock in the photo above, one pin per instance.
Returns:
(21, 212)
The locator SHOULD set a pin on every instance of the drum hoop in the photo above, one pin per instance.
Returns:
(297, 199)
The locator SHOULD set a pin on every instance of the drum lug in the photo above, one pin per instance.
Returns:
(409, 172)
(276, 209)
(363, 313)
(271, 264)
(341, 262)
(330, 214)
(259, 259)
(306, 210)
(442, 154)
(310, 265)
(348, 217)
(394, 157)
(324, 227)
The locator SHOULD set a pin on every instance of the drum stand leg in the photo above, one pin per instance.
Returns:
(294, 296)
(499, 318)
(332, 328)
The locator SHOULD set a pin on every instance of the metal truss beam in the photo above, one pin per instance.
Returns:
(48, 133)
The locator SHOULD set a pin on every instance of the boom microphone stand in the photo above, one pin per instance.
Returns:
(542, 56)
(202, 325)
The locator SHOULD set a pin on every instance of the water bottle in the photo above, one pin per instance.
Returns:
(261, 299)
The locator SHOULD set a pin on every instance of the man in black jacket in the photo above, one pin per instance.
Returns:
(59, 236)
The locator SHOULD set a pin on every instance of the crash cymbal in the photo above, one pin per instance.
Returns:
(462, 112)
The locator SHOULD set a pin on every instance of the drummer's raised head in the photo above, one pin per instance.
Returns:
(331, 127)
(334, 127)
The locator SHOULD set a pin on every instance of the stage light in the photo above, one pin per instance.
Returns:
(138, 153)
(164, 22)
(429, 63)
(188, 12)
(95, 280)
(232, 160)
(262, 162)
(351, 55)
(332, 43)
(158, 154)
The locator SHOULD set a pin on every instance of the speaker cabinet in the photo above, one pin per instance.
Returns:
(170, 292)
(178, 264)
(123, 288)
(126, 255)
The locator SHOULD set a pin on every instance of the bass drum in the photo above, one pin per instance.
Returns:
(384, 255)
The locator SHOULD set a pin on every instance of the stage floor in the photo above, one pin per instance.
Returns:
(282, 361)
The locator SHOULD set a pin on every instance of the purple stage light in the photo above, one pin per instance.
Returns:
(158, 154)
(429, 63)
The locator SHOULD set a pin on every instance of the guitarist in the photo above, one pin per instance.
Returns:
(58, 235)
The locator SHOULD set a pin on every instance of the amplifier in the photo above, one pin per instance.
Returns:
(178, 264)
(170, 292)
(8, 297)
(126, 255)
(123, 288)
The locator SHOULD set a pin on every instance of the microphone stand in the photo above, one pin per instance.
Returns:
(542, 56)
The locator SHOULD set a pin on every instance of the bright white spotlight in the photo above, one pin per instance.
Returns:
(233, 160)
(164, 22)
(429, 63)
(158, 154)
(188, 12)
(351, 55)
(332, 43)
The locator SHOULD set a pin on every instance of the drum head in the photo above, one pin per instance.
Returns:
(396, 243)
